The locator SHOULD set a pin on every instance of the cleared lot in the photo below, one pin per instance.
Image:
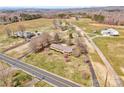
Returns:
(113, 49)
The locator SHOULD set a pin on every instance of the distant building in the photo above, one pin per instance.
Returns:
(61, 48)
(24, 34)
(37, 33)
(110, 32)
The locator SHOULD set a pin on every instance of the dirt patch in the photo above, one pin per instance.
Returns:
(19, 51)
(104, 25)
(101, 72)
(20, 48)
(122, 69)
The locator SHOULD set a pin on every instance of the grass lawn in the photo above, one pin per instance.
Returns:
(89, 26)
(42, 84)
(16, 78)
(28, 24)
(6, 42)
(113, 49)
(85, 24)
(55, 63)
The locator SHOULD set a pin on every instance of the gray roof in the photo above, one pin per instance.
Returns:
(61, 48)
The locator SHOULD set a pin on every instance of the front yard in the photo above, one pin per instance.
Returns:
(54, 62)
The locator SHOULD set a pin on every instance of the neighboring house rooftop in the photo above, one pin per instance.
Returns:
(25, 34)
(110, 32)
(61, 48)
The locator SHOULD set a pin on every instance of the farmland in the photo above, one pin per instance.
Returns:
(53, 61)
(112, 47)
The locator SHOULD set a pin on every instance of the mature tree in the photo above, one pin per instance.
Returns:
(56, 38)
(85, 75)
(62, 15)
(8, 31)
(81, 45)
(69, 42)
(55, 23)
(21, 28)
(39, 43)
(5, 75)
(99, 18)
(70, 32)
(15, 19)
(76, 52)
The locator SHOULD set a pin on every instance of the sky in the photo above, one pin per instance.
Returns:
(60, 3)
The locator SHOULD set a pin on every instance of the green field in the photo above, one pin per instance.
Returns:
(42, 84)
(113, 49)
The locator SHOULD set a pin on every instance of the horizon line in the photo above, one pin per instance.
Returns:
(55, 7)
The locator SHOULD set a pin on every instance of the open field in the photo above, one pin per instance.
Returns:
(28, 24)
(90, 26)
(55, 63)
(111, 47)
(113, 50)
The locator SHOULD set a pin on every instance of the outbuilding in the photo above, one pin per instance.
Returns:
(61, 48)
(24, 34)
(110, 32)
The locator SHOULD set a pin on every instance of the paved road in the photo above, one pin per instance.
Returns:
(41, 74)
(106, 62)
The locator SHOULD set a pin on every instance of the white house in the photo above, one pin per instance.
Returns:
(110, 32)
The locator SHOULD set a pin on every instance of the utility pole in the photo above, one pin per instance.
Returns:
(105, 85)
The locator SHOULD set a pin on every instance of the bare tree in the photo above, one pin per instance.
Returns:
(76, 52)
(81, 45)
(71, 30)
(8, 31)
(21, 28)
(5, 75)
(39, 43)
(69, 42)
(56, 38)
(56, 24)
